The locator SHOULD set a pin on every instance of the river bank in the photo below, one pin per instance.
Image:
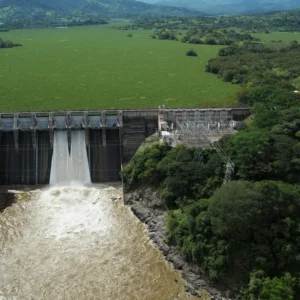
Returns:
(148, 207)
(6, 198)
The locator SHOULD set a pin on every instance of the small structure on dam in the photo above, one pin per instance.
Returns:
(199, 127)
(111, 137)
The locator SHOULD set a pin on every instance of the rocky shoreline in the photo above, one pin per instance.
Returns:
(148, 208)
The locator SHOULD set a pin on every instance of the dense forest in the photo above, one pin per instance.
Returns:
(244, 234)
(255, 64)
(280, 21)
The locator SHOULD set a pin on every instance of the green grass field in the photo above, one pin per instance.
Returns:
(277, 36)
(99, 67)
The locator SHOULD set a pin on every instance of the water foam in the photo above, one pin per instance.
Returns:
(68, 242)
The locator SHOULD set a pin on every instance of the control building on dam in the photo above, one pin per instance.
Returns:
(111, 138)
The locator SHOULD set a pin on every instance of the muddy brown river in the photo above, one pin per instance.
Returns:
(74, 243)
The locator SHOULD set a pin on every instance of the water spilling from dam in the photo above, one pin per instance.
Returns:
(73, 242)
(67, 166)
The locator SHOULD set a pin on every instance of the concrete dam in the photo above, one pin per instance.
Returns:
(30, 142)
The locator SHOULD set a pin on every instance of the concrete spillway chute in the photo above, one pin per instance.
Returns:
(51, 128)
(69, 127)
(33, 128)
(85, 125)
(103, 120)
(120, 119)
(16, 130)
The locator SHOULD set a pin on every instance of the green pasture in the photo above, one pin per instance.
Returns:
(277, 36)
(98, 67)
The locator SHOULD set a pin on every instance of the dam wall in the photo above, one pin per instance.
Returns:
(111, 138)
(26, 163)
(137, 126)
(104, 158)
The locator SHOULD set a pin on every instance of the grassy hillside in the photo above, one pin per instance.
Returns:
(278, 36)
(99, 67)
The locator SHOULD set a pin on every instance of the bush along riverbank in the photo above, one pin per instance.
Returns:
(151, 203)
(241, 237)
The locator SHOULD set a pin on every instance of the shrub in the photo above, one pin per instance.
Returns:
(211, 41)
(191, 52)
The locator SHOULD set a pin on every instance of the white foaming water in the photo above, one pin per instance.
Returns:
(65, 167)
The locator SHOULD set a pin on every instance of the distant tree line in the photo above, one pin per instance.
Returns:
(37, 22)
(87, 22)
(199, 36)
(280, 21)
(125, 27)
(215, 37)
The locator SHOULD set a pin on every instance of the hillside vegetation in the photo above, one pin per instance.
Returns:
(18, 13)
(279, 21)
